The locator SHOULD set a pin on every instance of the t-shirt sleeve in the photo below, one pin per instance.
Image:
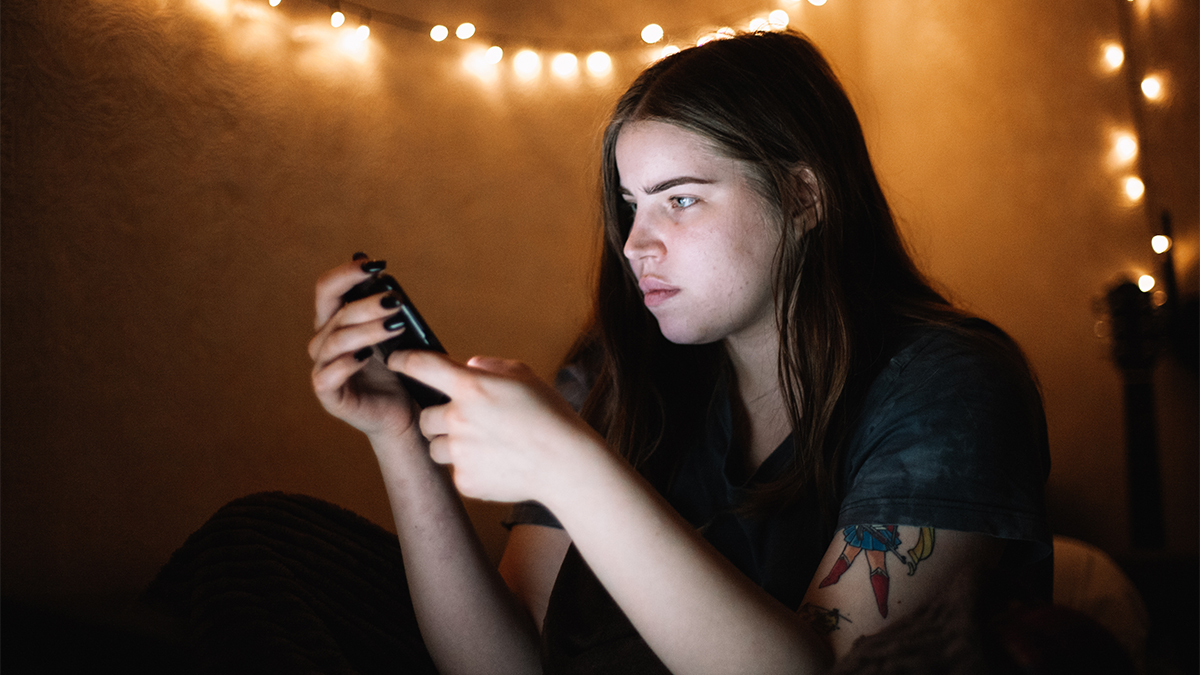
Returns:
(952, 436)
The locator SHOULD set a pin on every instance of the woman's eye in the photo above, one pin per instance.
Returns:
(632, 206)
(682, 202)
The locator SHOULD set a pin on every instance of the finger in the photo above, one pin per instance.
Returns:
(368, 310)
(350, 340)
(498, 366)
(333, 285)
(328, 380)
(433, 422)
(439, 449)
(434, 369)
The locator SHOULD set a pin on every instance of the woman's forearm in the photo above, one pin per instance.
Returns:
(696, 611)
(469, 620)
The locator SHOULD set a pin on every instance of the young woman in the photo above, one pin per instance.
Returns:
(790, 439)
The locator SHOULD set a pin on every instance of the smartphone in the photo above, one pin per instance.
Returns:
(416, 335)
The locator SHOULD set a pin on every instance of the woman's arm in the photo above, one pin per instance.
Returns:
(469, 620)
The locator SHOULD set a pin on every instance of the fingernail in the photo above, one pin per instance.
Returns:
(389, 302)
(363, 354)
(373, 266)
(389, 282)
(360, 256)
(394, 322)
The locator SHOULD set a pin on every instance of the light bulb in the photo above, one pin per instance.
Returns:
(1126, 147)
(599, 63)
(1134, 188)
(668, 50)
(363, 32)
(274, 3)
(564, 65)
(439, 33)
(493, 55)
(1152, 87)
(758, 24)
(337, 19)
(816, 3)
(1114, 56)
(1160, 243)
(1146, 283)
(527, 64)
(464, 31)
(779, 19)
(652, 33)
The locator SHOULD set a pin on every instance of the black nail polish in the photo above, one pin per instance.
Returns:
(389, 282)
(389, 302)
(360, 256)
(373, 266)
(363, 354)
(394, 322)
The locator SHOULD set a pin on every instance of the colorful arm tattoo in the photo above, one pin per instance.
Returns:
(878, 541)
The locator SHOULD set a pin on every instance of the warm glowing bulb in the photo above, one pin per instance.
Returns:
(668, 50)
(363, 32)
(1134, 187)
(599, 63)
(816, 3)
(527, 63)
(725, 32)
(1160, 243)
(439, 33)
(652, 33)
(758, 24)
(1114, 56)
(337, 19)
(1126, 147)
(779, 19)
(1146, 283)
(275, 3)
(464, 31)
(564, 65)
(493, 55)
(1152, 87)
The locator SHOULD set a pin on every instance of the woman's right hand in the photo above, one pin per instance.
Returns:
(348, 379)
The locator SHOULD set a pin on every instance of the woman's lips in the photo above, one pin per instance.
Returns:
(655, 291)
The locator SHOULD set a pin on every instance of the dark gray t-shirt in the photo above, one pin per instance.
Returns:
(951, 435)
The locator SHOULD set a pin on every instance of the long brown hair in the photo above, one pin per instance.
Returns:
(844, 284)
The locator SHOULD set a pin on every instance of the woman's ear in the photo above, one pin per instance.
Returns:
(811, 210)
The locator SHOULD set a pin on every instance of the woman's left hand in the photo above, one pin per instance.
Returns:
(509, 436)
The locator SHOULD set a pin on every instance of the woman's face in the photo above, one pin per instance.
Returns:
(701, 244)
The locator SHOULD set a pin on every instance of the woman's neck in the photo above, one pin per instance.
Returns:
(760, 419)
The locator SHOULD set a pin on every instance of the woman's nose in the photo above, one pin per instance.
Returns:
(644, 240)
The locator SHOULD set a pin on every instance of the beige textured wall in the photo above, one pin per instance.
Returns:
(174, 181)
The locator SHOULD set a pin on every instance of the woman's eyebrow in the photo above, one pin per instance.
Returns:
(673, 182)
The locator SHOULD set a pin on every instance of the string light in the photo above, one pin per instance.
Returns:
(779, 19)
(1152, 87)
(464, 31)
(758, 24)
(1125, 148)
(1146, 283)
(1114, 56)
(493, 55)
(439, 33)
(564, 65)
(527, 64)
(816, 3)
(1160, 243)
(668, 50)
(1134, 188)
(336, 19)
(274, 3)
(652, 33)
(364, 26)
(599, 64)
